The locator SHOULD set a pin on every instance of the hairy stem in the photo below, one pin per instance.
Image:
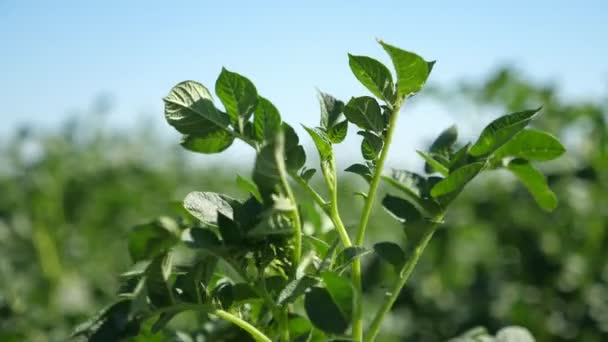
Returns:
(280, 160)
(253, 331)
(404, 275)
(367, 210)
(329, 174)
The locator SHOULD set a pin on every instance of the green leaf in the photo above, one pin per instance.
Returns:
(361, 170)
(205, 206)
(157, 288)
(331, 109)
(412, 70)
(295, 289)
(214, 141)
(321, 142)
(238, 94)
(347, 256)
(295, 156)
(341, 292)
(500, 131)
(307, 174)
(371, 145)
(456, 181)
(201, 238)
(445, 140)
(229, 230)
(365, 112)
(374, 75)
(514, 334)
(460, 158)
(189, 108)
(266, 122)
(151, 239)
(391, 253)
(531, 145)
(300, 328)
(249, 187)
(266, 172)
(338, 132)
(535, 182)
(323, 312)
(113, 323)
(401, 209)
(434, 164)
(416, 190)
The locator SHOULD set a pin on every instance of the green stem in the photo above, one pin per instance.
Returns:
(367, 210)
(373, 186)
(280, 160)
(329, 174)
(404, 274)
(311, 192)
(253, 331)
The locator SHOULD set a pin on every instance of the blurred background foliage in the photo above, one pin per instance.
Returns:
(69, 197)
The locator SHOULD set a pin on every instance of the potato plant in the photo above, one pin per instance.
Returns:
(251, 262)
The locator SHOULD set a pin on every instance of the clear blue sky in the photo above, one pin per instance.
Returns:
(56, 56)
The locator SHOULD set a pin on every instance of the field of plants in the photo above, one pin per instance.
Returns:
(91, 218)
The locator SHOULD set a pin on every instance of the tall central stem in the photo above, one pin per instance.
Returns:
(367, 209)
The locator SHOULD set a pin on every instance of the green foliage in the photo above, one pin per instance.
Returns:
(261, 263)
(260, 239)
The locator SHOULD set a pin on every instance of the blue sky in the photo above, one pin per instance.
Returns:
(56, 56)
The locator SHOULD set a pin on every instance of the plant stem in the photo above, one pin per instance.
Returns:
(373, 186)
(312, 193)
(367, 209)
(329, 174)
(404, 274)
(280, 160)
(253, 331)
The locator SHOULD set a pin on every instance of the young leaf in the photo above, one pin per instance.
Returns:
(374, 75)
(321, 142)
(500, 131)
(206, 205)
(391, 253)
(266, 122)
(238, 94)
(295, 289)
(531, 145)
(412, 70)
(249, 187)
(113, 323)
(200, 238)
(401, 209)
(456, 181)
(189, 109)
(148, 240)
(371, 145)
(445, 140)
(365, 112)
(229, 230)
(323, 312)
(535, 182)
(361, 170)
(307, 174)
(214, 141)
(331, 109)
(157, 288)
(337, 132)
(341, 291)
(265, 172)
(416, 190)
(434, 164)
(295, 157)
